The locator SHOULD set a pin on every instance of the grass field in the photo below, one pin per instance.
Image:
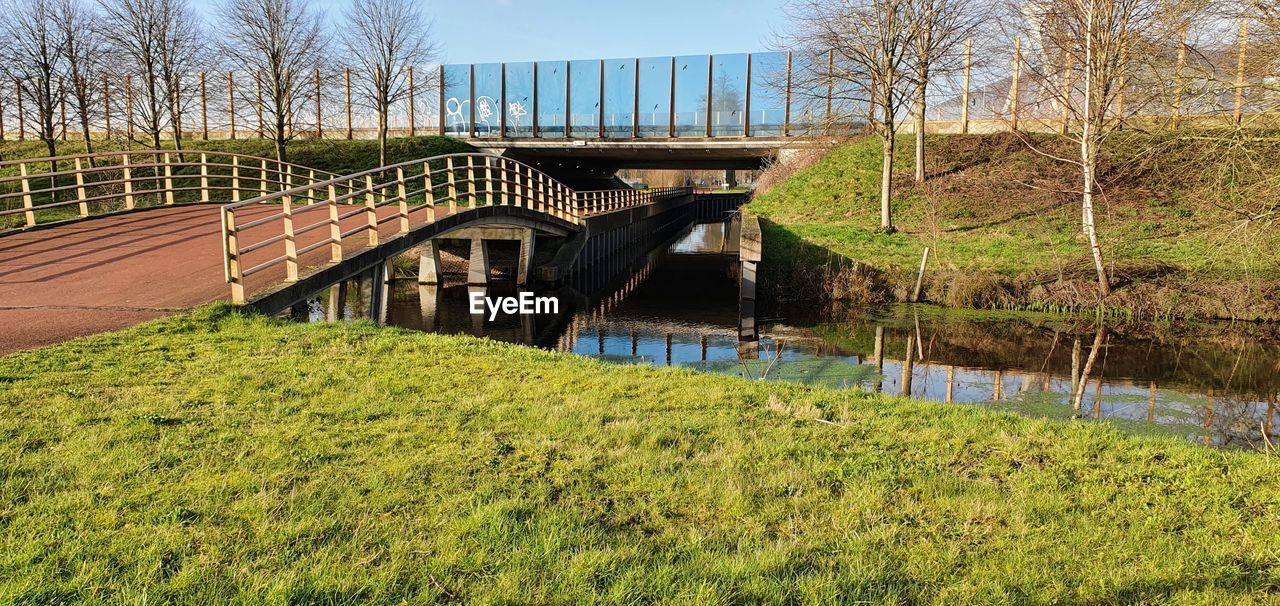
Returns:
(215, 457)
(1173, 217)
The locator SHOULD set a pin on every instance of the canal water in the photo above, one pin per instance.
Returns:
(1213, 384)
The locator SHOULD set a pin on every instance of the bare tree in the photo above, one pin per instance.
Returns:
(281, 40)
(181, 50)
(857, 50)
(136, 32)
(32, 58)
(83, 51)
(938, 31)
(1081, 49)
(383, 39)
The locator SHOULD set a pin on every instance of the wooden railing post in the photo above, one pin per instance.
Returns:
(290, 241)
(488, 180)
(371, 210)
(168, 180)
(231, 253)
(503, 172)
(404, 200)
(128, 181)
(428, 192)
(80, 195)
(27, 204)
(204, 177)
(453, 186)
(235, 178)
(471, 182)
(262, 178)
(335, 226)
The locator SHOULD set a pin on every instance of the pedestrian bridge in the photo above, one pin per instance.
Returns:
(99, 242)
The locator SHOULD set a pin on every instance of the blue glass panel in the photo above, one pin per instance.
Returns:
(488, 97)
(584, 98)
(551, 98)
(768, 93)
(728, 95)
(691, 96)
(619, 96)
(655, 96)
(519, 101)
(457, 94)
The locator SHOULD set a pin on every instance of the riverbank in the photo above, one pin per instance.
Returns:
(218, 456)
(1003, 226)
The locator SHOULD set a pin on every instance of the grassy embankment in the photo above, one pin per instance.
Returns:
(1004, 227)
(214, 457)
(335, 156)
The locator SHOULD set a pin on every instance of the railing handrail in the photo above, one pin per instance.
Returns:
(145, 152)
(495, 181)
(343, 179)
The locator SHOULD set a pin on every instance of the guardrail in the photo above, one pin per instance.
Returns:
(281, 232)
(43, 191)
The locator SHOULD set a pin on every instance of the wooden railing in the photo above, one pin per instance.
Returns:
(45, 190)
(275, 229)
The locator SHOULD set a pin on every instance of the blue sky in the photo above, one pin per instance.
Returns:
(479, 31)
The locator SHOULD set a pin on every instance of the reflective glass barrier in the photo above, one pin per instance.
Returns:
(732, 95)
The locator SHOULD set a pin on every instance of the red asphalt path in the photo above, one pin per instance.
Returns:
(113, 272)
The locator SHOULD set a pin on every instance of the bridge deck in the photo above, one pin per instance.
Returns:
(112, 272)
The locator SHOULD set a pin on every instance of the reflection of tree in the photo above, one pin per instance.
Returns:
(725, 96)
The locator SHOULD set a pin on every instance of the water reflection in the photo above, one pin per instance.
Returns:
(678, 307)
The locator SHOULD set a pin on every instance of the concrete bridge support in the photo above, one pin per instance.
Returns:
(478, 266)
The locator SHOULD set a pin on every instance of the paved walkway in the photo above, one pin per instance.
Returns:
(109, 273)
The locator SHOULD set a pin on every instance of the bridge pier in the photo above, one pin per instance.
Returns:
(429, 263)
(478, 263)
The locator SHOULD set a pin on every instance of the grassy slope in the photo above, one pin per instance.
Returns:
(212, 457)
(996, 207)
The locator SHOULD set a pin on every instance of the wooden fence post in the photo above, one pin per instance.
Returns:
(62, 104)
(231, 103)
(964, 95)
(257, 80)
(168, 179)
(80, 193)
(106, 105)
(1180, 84)
(319, 117)
(786, 111)
(235, 178)
(1244, 40)
(1014, 88)
(413, 129)
(204, 110)
(22, 117)
(128, 106)
(290, 239)
(204, 177)
(335, 226)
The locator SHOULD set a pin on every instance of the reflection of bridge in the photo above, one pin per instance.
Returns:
(107, 241)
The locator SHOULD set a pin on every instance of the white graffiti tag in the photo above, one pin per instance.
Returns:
(457, 111)
(516, 111)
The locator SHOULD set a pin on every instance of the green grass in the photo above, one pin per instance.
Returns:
(993, 207)
(215, 457)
